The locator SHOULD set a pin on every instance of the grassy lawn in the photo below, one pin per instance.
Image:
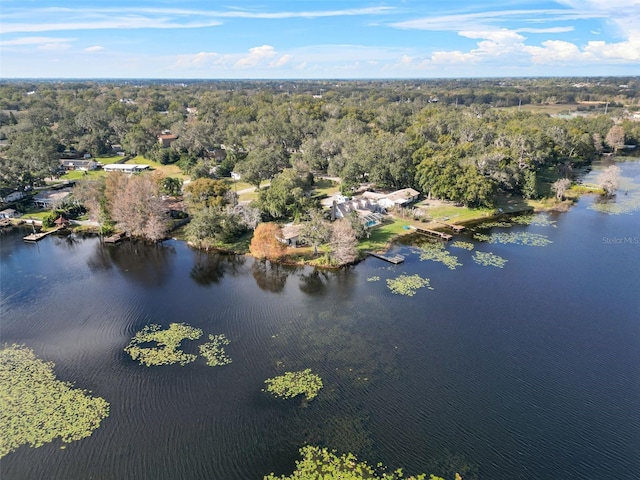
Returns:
(453, 214)
(167, 170)
(326, 187)
(109, 159)
(382, 235)
(79, 175)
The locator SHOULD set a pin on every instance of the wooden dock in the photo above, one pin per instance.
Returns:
(434, 233)
(36, 237)
(455, 228)
(395, 259)
(114, 238)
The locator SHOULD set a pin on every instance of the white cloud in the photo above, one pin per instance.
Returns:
(35, 41)
(60, 19)
(94, 48)
(256, 56)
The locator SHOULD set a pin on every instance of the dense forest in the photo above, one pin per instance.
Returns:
(464, 140)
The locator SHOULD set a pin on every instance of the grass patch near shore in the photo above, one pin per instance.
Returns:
(382, 235)
(167, 170)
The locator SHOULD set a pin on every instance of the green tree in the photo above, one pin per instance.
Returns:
(316, 229)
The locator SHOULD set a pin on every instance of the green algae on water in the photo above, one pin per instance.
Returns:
(488, 259)
(166, 350)
(520, 238)
(214, 352)
(292, 384)
(408, 284)
(36, 408)
(437, 253)
(462, 244)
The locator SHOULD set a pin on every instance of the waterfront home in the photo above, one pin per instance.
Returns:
(9, 213)
(51, 198)
(291, 235)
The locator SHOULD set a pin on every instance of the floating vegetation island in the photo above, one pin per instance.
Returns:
(292, 384)
(36, 408)
(437, 253)
(517, 238)
(462, 244)
(214, 352)
(375, 278)
(408, 284)
(165, 349)
(488, 259)
(319, 463)
(520, 238)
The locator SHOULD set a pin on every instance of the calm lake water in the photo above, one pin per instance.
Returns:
(531, 371)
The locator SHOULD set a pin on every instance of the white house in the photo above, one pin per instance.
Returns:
(9, 213)
(13, 197)
(124, 168)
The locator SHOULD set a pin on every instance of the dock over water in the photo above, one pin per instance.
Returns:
(395, 259)
(36, 237)
(434, 233)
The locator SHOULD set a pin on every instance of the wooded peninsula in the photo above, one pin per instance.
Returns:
(311, 171)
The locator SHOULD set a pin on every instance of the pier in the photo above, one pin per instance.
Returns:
(434, 233)
(36, 237)
(455, 228)
(395, 259)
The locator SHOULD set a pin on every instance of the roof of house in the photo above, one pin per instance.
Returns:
(402, 196)
(289, 231)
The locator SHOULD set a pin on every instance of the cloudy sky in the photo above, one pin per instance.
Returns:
(318, 38)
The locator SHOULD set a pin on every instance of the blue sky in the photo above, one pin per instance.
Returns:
(318, 39)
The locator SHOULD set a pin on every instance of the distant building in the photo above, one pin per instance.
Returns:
(124, 168)
(166, 139)
(51, 198)
(75, 164)
(9, 213)
(13, 197)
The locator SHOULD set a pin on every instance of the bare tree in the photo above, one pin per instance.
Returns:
(343, 242)
(560, 187)
(615, 137)
(136, 206)
(609, 180)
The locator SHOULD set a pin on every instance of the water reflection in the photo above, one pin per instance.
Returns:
(314, 283)
(269, 276)
(210, 268)
(147, 265)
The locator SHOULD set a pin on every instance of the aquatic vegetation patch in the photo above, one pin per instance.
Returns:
(540, 220)
(496, 224)
(375, 278)
(166, 350)
(462, 244)
(488, 259)
(437, 253)
(214, 352)
(408, 284)
(36, 408)
(319, 463)
(292, 384)
(520, 238)
(481, 237)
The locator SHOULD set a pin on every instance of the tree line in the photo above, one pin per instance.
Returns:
(447, 138)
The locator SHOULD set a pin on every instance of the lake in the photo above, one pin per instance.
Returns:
(530, 371)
